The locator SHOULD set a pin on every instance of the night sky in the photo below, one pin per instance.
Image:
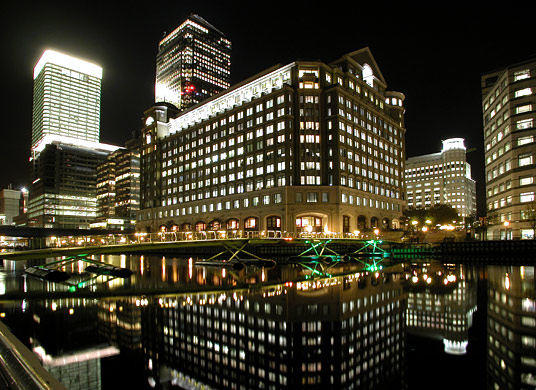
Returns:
(434, 55)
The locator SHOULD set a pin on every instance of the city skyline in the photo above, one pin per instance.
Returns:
(436, 63)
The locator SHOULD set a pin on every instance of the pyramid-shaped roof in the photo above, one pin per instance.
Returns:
(363, 56)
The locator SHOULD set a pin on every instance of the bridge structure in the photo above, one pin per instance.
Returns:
(317, 252)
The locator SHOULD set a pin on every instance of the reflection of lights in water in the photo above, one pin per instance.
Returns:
(223, 272)
(507, 282)
(163, 269)
(123, 261)
(190, 267)
(54, 306)
(263, 275)
(142, 265)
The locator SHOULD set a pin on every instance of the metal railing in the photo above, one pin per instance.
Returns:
(143, 238)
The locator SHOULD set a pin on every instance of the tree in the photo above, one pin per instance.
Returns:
(438, 214)
(529, 214)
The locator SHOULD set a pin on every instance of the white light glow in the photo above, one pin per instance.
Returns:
(235, 97)
(53, 57)
(51, 138)
(453, 144)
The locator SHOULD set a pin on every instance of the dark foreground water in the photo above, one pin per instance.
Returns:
(177, 325)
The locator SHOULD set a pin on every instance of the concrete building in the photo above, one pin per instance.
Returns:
(508, 106)
(442, 178)
(306, 146)
(118, 190)
(192, 64)
(65, 142)
(9, 205)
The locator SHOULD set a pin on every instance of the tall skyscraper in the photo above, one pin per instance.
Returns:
(509, 110)
(66, 100)
(442, 178)
(192, 64)
(65, 147)
(302, 147)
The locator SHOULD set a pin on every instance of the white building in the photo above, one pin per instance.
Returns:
(9, 205)
(442, 178)
(66, 100)
(65, 141)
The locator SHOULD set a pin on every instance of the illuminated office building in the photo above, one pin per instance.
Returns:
(66, 100)
(118, 190)
(10, 200)
(192, 64)
(442, 178)
(509, 106)
(301, 147)
(65, 142)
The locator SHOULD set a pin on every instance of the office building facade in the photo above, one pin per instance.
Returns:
(10, 201)
(118, 190)
(66, 100)
(442, 178)
(192, 64)
(65, 147)
(301, 147)
(508, 106)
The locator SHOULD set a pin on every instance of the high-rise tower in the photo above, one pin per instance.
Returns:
(65, 148)
(66, 101)
(192, 64)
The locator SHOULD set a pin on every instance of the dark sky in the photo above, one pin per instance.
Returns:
(434, 55)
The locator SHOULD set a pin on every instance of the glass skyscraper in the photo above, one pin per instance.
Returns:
(66, 101)
(192, 64)
(65, 147)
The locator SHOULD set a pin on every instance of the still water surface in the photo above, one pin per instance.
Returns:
(177, 325)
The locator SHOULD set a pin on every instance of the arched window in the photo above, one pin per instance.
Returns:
(368, 75)
(186, 227)
(214, 225)
(251, 223)
(309, 224)
(361, 222)
(345, 224)
(232, 224)
(273, 222)
(200, 226)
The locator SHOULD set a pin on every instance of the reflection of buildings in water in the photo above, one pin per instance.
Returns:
(77, 370)
(441, 303)
(120, 322)
(341, 332)
(511, 328)
(63, 336)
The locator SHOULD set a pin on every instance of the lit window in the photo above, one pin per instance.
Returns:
(522, 74)
(523, 92)
(524, 160)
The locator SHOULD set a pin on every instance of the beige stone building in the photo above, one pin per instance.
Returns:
(306, 146)
(508, 105)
